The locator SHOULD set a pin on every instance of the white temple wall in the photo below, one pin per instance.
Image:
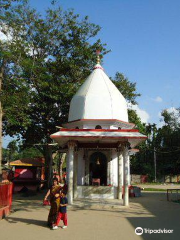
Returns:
(113, 127)
(93, 126)
(81, 168)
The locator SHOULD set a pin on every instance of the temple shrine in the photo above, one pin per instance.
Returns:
(98, 140)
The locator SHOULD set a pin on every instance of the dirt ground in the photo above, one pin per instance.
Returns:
(151, 211)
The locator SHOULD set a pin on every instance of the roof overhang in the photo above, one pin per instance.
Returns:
(28, 162)
(98, 136)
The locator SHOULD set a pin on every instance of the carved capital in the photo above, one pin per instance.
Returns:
(72, 145)
(125, 145)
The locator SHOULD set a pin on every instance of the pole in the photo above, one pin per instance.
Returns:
(155, 165)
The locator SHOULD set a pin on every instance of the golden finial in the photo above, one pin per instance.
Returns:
(98, 58)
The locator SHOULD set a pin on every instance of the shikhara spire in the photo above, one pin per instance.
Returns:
(98, 98)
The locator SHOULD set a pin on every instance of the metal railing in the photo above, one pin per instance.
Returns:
(173, 194)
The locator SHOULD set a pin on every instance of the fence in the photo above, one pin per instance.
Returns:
(173, 195)
(5, 199)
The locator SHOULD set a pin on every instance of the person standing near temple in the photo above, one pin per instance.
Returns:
(54, 193)
(62, 215)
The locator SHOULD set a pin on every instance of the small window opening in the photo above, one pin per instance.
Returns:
(98, 127)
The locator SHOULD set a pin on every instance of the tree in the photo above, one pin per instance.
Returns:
(10, 51)
(168, 140)
(5, 4)
(55, 53)
(134, 118)
(12, 150)
(15, 151)
(127, 88)
(49, 58)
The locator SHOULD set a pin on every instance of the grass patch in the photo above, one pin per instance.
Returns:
(176, 201)
(155, 189)
(147, 183)
(157, 183)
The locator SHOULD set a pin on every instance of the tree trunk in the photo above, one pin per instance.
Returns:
(48, 165)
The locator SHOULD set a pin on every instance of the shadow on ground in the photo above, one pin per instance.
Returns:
(163, 215)
(13, 220)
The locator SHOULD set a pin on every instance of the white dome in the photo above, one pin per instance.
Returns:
(98, 98)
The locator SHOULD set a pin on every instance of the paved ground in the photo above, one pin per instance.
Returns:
(28, 221)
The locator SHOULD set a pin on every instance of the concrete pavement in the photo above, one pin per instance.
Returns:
(151, 211)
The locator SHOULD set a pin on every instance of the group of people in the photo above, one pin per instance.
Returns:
(58, 201)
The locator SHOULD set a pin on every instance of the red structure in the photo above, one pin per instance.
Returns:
(5, 199)
(29, 174)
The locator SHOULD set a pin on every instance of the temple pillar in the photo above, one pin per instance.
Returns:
(75, 173)
(108, 170)
(120, 175)
(129, 173)
(86, 167)
(126, 175)
(70, 161)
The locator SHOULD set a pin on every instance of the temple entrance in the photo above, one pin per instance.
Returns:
(98, 169)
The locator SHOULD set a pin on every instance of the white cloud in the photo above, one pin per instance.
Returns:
(3, 37)
(158, 99)
(172, 110)
(144, 116)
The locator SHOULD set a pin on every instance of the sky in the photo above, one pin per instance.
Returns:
(144, 39)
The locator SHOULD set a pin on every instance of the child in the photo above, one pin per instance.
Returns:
(62, 215)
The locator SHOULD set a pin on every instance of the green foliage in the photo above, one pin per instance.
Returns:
(29, 153)
(127, 88)
(5, 4)
(44, 61)
(172, 119)
(134, 118)
(166, 143)
(45, 64)
(15, 151)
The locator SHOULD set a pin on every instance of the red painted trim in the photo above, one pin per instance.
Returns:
(104, 120)
(56, 136)
(97, 130)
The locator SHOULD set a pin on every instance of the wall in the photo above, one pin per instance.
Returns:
(101, 192)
